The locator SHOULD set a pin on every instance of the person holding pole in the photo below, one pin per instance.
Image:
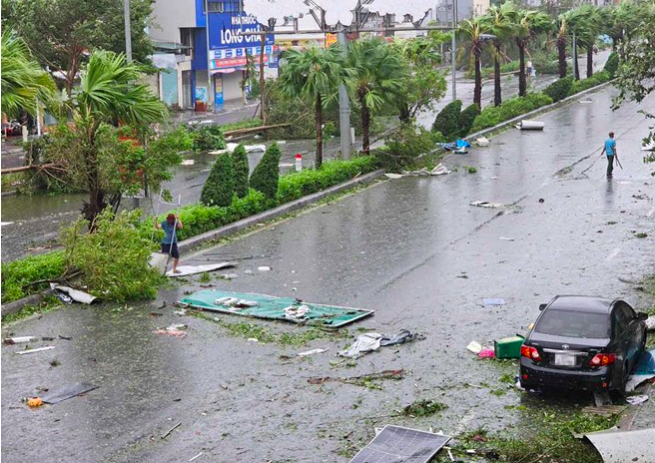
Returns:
(610, 150)
(169, 242)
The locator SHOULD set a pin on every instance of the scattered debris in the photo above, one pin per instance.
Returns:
(369, 342)
(19, 339)
(483, 142)
(173, 330)
(66, 338)
(168, 433)
(156, 314)
(440, 169)
(643, 370)
(542, 200)
(602, 399)
(586, 101)
(180, 312)
(474, 347)
(55, 363)
(636, 399)
(606, 410)
(624, 446)
(530, 125)
(68, 392)
(424, 407)
(47, 338)
(188, 162)
(196, 456)
(487, 204)
(31, 351)
(186, 270)
(252, 340)
(264, 268)
(312, 352)
(505, 238)
(650, 323)
(228, 276)
(357, 380)
(487, 353)
(490, 302)
(508, 348)
(34, 402)
(393, 176)
(74, 294)
(396, 443)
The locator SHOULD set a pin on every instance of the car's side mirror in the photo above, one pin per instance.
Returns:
(642, 316)
(542, 307)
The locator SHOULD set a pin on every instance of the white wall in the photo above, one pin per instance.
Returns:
(168, 16)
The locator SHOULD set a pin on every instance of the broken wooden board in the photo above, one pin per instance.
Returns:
(186, 270)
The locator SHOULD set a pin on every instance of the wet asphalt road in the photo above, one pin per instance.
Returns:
(34, 222)
(402, 248)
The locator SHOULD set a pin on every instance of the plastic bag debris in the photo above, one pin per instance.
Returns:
(369, 342)
(474, 347)
(650, 323)
(296, 312)
(457, 145)
(487, 204)
(490, 302)
(643, 370)
(440, 169)
(312, 352)
(393, 176)
(74, 294)
(636, 399)
(487, 353)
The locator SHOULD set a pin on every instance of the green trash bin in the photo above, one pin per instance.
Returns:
(508, 348)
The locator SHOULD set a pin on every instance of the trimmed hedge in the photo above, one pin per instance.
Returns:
(509, 109)
(17, 274)
(218, 189)
(241, 171)
(559, 89)
(266, 174)
(467, 118)
(447, 121)
(585, 84)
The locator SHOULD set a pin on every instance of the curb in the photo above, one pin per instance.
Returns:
(15, 306)
(212, 235)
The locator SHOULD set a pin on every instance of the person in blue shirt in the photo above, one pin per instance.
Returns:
(169, 242)
(610, 150)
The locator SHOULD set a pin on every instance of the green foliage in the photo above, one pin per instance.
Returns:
(218, 189)
(244, 124)
(514, 107)
(298, 184)
(266, 174)
(448, 119)
(406, 145)
(18, 273)
(612, 64)
(424, 407)
(24, 82)
(207, 137)
(559, 89)
(62, 33)
(114, 260)
(241, 171)
(585, 84)
(466, 119)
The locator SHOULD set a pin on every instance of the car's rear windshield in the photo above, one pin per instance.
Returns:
(574, 324)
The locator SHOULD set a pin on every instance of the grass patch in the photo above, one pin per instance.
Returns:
(48, 304)
(264, 334)
(641, 235)
(424, 407)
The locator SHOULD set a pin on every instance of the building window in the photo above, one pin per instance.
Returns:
(186, 38)
(223, 6)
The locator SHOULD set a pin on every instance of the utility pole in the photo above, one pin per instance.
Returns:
(574, 53)
(453, 56)
(344, 105)
(128, 31)
(210, 87)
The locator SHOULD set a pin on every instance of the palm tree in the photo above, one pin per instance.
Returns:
(475, 32)
(376, 77)
(315, 74)
(108, 95)
(587, 30)
(499, 20)
(24, 82)
(526, 26)
(563, 33)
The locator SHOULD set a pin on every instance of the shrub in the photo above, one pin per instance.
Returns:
(585, 84)
(17, 274)
(559, 89)
(207, 137)
(405, 145)
(298, 184)
(266, 174)
(612, 64)
(218, 189)
(467, 117)
(510, 109)
(447, 121)
(114, 260)
(241, 171)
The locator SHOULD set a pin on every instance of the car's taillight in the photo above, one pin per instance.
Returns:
(600, 360)
(530, 352)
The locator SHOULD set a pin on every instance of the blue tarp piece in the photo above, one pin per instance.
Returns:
(455, 145)
(643, 370)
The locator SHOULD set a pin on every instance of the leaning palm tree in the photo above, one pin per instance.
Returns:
(24, 82)
(108, 95)
(581, 25)
(377, 72)
(526, 26)
(314, 74)
(561, 25)
(475, 31)
(589, 28)
(500, 22)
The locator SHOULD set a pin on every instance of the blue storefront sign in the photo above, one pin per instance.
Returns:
(229, 43)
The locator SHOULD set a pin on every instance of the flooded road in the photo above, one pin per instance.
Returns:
(413, 250)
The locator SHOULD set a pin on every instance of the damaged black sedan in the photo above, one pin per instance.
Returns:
(581, 342)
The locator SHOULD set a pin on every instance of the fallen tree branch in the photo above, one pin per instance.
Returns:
(12, 170)
(230, 133)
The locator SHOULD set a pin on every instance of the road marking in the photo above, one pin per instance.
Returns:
(613, 254)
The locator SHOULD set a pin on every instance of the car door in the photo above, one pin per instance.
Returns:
(620, 330)
(632, 331)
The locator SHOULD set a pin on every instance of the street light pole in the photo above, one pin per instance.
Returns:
(453, 57)
(210, 87)
(128, 31)
(344, 105)
(574, 53)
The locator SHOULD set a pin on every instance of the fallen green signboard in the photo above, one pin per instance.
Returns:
(274, 308)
